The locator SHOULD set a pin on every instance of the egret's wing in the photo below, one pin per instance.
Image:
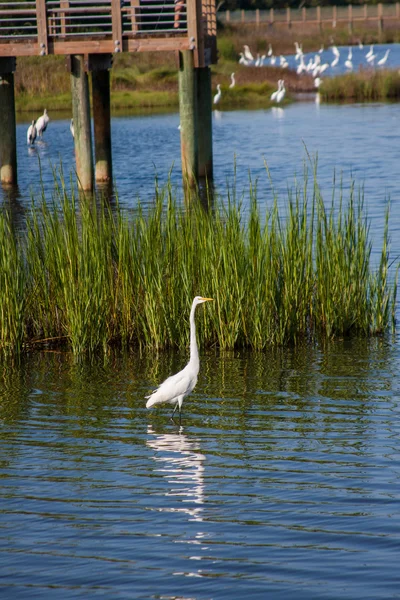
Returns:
(177, 385)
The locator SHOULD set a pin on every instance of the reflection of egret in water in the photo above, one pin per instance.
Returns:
(182, 466)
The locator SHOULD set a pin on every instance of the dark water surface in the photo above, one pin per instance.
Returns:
(283, 482)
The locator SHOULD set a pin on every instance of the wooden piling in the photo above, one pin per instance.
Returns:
(204, 103)
(188, 109)
(81, 115)
(102, 124)
(8, 135)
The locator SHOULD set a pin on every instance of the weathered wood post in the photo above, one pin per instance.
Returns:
(350, 17)
(8, 136)
(380, 20)
(81, 115)
(99, 66)
(204, 103)
(188, 110)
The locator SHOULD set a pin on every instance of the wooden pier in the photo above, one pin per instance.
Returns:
(90, 32)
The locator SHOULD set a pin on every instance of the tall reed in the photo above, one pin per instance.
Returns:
(89, 275)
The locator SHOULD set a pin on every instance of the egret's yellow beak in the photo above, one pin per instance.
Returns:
(207, 299)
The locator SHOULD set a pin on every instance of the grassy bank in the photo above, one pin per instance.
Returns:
(88, 276)
(361, 87)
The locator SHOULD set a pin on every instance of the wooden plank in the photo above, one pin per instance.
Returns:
(134, 14)
(64, 4)
(116, 24)
(41, 19)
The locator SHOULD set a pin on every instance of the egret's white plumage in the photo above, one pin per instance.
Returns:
(233, 81)
(31, 134)
(41, 123)
(274, 94)
(218, 95)
(247, 53)
(174, 389)
(71, 128)
(383, 60)
(281, 93)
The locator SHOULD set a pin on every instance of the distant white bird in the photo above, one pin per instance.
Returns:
(41, 123)
(371, 59)
(247, 54)
(383, 60)
(258, 60)
(335, 51)
(370, 52)
(274, 94)
(321, 49)
(283, 62)
(218, 95)
(299, 51)
(71, 128)
(317, 82)
(360, 44)
(242, 60)
(281, 93)
(349, 62)
(174, 389)
(31, 134)
(301, 67)
(233, 81)
(335, 61)
(269, 50)
(272, 60)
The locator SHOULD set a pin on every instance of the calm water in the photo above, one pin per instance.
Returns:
(284, 481)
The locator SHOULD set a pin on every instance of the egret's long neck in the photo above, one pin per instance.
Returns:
(194, 353)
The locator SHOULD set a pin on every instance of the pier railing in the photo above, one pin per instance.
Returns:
(41, 27)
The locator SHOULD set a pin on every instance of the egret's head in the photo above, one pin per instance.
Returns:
(201, 299)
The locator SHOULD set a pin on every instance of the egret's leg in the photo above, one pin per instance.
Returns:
(173, 412)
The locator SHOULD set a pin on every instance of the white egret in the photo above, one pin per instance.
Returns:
(274, 94)
(218, 95)
(281, 93)
(349, 62)
(370, 51)
(41, 123)
(233, 81)
(174, 389)
(247, 54)
(242, 60)
(31, 134)
(71, 128)
(269, 50)
(383, 60)
(258, 60)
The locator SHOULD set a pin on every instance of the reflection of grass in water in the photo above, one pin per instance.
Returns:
(92, 276)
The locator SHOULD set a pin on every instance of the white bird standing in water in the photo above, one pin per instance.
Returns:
(31, 134)
(274, 94)
(41, 123)
(233, 82)
(281, 93)
(349, 62)
(247, 54)
(383, 60)
(218, 95)
(71, 128)
(174, 389)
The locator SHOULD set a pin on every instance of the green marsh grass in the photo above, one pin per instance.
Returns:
(89, 276)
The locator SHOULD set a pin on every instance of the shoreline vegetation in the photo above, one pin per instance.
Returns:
(150, 80)
(86, 276)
